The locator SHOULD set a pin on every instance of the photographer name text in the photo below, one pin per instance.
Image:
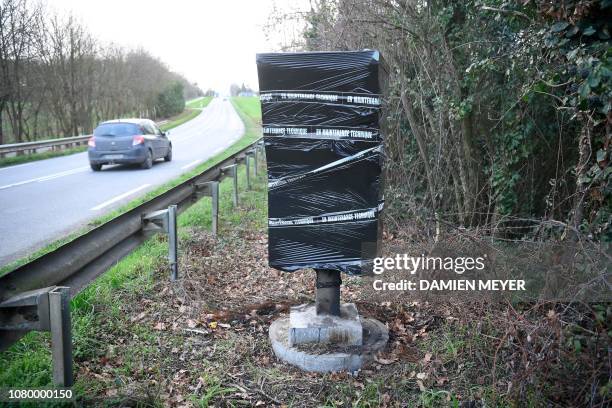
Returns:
(450, 285)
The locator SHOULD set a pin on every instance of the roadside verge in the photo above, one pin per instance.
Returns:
(98, 310)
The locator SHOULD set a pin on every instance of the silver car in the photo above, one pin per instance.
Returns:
(122, 141)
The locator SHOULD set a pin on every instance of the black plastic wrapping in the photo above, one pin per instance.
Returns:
(321, 123)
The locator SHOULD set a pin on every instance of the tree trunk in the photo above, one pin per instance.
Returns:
(465, 205)
(467, 136)
(420, 138)
(1, 124)
(582, 167)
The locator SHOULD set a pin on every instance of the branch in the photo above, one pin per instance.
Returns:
(513, 12)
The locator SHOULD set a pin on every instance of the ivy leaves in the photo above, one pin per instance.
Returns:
(584, 42)
(559, 26)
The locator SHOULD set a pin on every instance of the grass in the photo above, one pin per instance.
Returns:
(179, 119)
(213, 389)
(249, 105)
(199, 103)
(99, 310)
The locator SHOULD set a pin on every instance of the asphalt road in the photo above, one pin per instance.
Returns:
(45, 200)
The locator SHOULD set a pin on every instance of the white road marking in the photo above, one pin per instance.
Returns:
(193, 163)
(46, 178)
(64, 173)
(119, 197)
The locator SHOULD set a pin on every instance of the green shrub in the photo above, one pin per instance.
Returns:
(171, 100)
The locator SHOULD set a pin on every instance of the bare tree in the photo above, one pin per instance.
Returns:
(57, 80)
(18, 31)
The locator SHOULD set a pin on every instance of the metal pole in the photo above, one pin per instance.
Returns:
(214, 194)
(61, 336)
(172, 243)
(327, 297)
(255, 161)
(235, 180)
(248, 172)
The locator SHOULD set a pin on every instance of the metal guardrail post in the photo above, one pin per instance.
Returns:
(235, 186)
(172, 242)
(247, 162)
(255, 162)
(211, 189)
(61, 336)
(248, 173)
(215, 206)
(165, 221)
(46, 309)
(232, 170)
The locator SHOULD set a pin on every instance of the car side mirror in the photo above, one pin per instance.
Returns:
(165, 134)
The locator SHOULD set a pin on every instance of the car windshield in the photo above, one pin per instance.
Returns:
(117, 129)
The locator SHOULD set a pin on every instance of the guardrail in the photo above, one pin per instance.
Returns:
(35, 296)
(32, 147)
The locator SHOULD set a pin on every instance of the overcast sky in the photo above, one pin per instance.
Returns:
(210, 42)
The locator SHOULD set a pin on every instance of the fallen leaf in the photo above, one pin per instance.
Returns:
(139, 317)
(385, 361)
(160, 326)
(441, 380)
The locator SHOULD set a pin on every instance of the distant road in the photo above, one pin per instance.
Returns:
(45, 200)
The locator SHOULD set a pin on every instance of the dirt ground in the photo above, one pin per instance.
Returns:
(203, 341)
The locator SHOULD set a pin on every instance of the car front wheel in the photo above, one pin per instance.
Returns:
(168, 156)
(95, 167)
(148, 163)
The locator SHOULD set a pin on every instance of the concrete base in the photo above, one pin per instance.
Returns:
(328, 357)
(308, 327)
